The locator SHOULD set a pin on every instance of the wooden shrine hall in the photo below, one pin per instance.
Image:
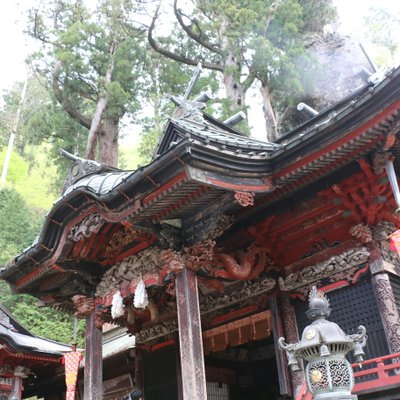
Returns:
(208, 253)
(25, 359)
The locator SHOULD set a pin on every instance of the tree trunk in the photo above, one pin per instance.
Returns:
(235, 90)
(108, 141)
(101, 107)
(269, 115)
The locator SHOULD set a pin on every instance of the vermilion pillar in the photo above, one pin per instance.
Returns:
(93, 377)
(190, 337)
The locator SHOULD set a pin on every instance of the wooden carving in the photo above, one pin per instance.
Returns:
(245, 199)
(335, 266)
(243, 265)
(90, 225)
(361, 232)
(84, 305)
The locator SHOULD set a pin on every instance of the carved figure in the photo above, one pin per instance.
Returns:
(84, 305)
(90, 225)
(243, 266)
(362, 232)
(245, 199)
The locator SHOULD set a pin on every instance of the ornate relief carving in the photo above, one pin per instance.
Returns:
(245, 199)
(243, 265)
(388, 308)
(84, 305)
(249, 290)
(217, 226)
(362, 232)
(147, 263)
(382, 230)
(158, 264)
(156, 331)
(380, 236)
(332, 268)
(125, 236)
(200, 255)
(81, 168)
(90, 225)
(379, 161)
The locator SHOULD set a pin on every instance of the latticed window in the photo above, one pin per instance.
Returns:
(217, 391)
(353, 306)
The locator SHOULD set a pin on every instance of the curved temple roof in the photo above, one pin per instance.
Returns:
(199, 167)
(22, 341)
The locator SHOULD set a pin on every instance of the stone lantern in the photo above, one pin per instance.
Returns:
(324, 346)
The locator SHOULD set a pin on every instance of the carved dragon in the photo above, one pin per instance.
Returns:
(242, 265)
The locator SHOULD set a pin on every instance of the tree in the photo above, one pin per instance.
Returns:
(163, 77)
(43, 125)
(91, 62)
(19, 228)
(246, 41)
(382, 30)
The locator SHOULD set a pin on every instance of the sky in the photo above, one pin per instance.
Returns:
(15, 46)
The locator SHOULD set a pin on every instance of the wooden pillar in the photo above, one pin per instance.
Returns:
(190, 337)
(19, 374)
(291, 336)
(139, 369)
(178, 370)
(93, 376)
(388, 309)
(285, 387)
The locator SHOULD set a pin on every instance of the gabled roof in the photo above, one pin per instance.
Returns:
(200, 167)
(23, 341)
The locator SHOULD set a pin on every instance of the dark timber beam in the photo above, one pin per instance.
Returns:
(190, 337)
(93, 377)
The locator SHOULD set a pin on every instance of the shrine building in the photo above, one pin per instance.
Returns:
(213, 247)
(25, 359)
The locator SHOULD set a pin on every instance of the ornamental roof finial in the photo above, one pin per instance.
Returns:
(318, 304)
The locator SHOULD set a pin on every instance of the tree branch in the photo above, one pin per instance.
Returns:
(248, 81)
(196, 37)
(177, 57)
(66, 104)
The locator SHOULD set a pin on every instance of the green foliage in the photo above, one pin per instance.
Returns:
(164, 76)
(251, 40)
(20, 225)
(31, 177)
(41, 321)
(382, 30)
(79, 47)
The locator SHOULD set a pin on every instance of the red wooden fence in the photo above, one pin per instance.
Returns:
(375, 374)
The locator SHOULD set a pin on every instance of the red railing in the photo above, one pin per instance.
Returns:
(376, 374)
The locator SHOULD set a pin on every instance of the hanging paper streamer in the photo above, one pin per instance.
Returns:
(71, 361)
(141, 300)
(117, 306)
(394, 239)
